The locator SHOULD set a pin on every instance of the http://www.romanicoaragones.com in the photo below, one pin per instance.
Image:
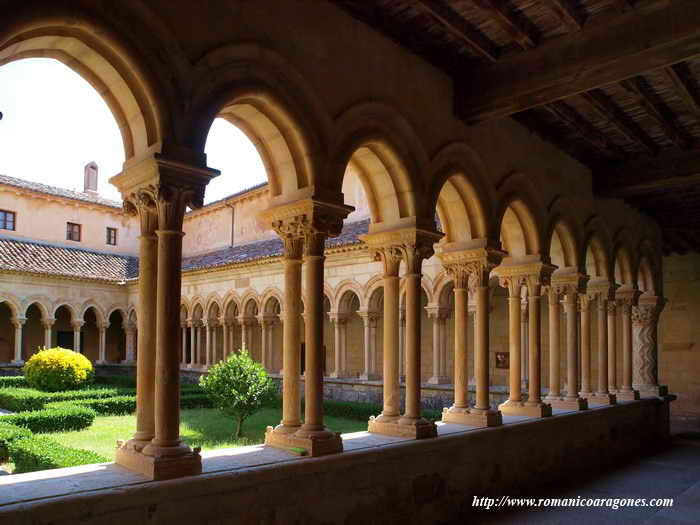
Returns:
(611, 503)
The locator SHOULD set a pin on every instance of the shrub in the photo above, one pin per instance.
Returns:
(118, 381)
(238, 387)
(24, 399)
(58, 369)
(53, 419)
(8, 434)
(122, 405)
(40, 453)
(8, 381)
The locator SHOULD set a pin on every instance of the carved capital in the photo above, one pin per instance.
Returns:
(583, 302)
(18, 322)
(410, 245)
(646, 313)
(77, 325)
(531, 273)
(470, 268)
(437, 312)
(48, 323)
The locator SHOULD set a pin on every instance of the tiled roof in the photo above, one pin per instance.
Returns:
(233, 195)
(59, 192)
(54, 259)
(57, 259)
(265, 249)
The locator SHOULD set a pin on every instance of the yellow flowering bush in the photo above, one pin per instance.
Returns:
(56, 369)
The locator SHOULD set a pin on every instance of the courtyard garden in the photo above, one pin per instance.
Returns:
(62, 419)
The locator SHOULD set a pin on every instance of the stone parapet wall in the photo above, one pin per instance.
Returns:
(414, 482)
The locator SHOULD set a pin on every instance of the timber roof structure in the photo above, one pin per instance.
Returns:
(615, 83)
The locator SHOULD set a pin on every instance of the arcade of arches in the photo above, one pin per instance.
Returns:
(394, 250)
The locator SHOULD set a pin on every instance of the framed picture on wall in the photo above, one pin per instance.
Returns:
(502, 360)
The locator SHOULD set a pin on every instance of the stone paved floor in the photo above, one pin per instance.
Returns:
(674, 473)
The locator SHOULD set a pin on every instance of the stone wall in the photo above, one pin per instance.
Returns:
(426, 481)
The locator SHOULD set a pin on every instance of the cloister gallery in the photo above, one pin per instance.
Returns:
(413, 246)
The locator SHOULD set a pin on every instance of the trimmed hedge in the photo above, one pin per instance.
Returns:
(41, 453)
(122, 405)
(53, 419)
(16, 381)
(25, 399)
(8, 434)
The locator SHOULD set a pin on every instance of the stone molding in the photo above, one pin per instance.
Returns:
(410, 245)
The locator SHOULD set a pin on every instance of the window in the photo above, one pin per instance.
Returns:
(73, 232)
(112, 236)
(7, 220)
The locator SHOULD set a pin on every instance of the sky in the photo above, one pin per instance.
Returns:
(54, 123)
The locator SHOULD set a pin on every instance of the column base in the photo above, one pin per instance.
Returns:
(439, 380)
(416, 429)
(601, 399)
(370, 377)
(578, 403)
(322, 445)
(627, 395)
(158, 469)
(343, 374)
(20, 362)
(652, 390)
(521, 408)
(472, 417)
(100, 362)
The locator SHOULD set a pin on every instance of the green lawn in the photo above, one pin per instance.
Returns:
(205, 427)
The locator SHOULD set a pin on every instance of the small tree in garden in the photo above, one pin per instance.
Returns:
(238, 387)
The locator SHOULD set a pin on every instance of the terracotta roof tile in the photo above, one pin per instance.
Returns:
(59, 192)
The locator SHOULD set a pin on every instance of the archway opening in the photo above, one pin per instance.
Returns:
(7, 334)
(115, 338)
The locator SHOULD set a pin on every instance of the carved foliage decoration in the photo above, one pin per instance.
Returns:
(644, 340)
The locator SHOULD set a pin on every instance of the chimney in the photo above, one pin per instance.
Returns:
(90, 182)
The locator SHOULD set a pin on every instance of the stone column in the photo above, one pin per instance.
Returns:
(102, 327)
(471, 270)
(193, 343)
(245, 333)
(584, 306)
(554, 297)
(524, 343)
(627, 300)
(207, 342)
(645, 318)
(339, 321)
(266, 324)
(18, 323)
(514, 276)
(47, 324)
(183, 345)
(612, 346)
(214, 343)
(572, 400)
(402, 344)
(602, 395)
(166, 187)
(438, 315)
(369, 322)
(130, 342)
(414, 252)
(225, 335)
(77, 326)
(306, 224)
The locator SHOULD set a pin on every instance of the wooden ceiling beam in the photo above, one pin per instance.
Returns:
(460, 28)
(682, 83)
(498, 13)
(653, 35)
(654, 108)
(670, 171)
(606, 109)
(566, 13)
(585, 129)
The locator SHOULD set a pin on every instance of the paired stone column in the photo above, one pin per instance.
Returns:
(207, 342)
(602, 396)
(160, 190)
(183, 359)
(566, 285)
(513, 276)
(193, 343)
(412, 246)
(225, 335)
(470, 269)
(438, 316)
(402, 343)
(102, 328)
(612, 346)
(309, 223)
(369, 321)
(267, 322)
(130, 331)
(77, 327)
(645, 319)
(339, 321)
(524, 342)
(584, 307)
(18, 323)
(47, 324)
(627, 298)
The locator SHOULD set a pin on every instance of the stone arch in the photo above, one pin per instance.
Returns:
(71, 309)
(250, 305)
(231, 304)
(563, 238)
(197, 312)
(122, 312)
(519, 219)
(99, 313)
(388, 156)
(344, 287)
(242, 84)
(272, 303)
(44, 305)
(460, 190)
(443, 286)
(103, 58)
(622, 262)
(646, 272)
(597, 249)
(214, 300)
(13, 304)
(345, 299)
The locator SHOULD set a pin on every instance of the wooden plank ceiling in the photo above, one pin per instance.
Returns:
(615, 83)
